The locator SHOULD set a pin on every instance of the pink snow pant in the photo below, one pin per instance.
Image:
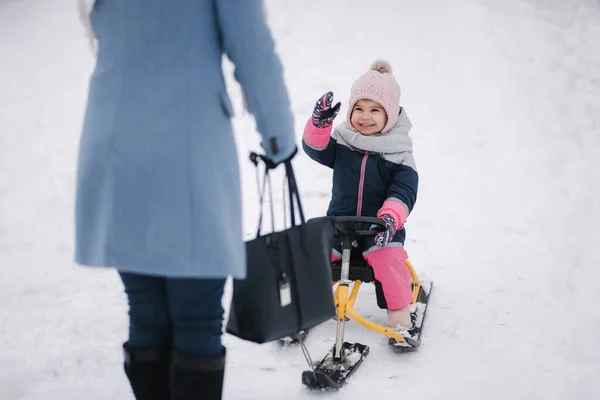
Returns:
(389, 269)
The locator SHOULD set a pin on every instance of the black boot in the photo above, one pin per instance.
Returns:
(195, 378)
(148, 371)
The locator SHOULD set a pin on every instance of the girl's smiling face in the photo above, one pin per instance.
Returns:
(368, 117)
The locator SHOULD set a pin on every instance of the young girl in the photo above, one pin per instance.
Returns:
(374, 174)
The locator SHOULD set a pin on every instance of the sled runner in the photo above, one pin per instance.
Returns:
(352, 270)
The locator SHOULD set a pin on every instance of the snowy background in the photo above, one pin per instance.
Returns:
(505, 102)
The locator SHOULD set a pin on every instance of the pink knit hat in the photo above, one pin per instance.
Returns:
(377, 84)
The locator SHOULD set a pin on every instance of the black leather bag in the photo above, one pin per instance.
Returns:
(288, 283)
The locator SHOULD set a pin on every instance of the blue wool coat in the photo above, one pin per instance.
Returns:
(158, 189)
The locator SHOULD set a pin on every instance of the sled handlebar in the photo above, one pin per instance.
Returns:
(345, 224)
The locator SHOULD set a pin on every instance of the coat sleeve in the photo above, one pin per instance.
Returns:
(318, 144)
(248, 43)
(402, 195)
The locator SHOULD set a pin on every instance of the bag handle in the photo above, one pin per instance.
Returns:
(261, 191)
(293, 193)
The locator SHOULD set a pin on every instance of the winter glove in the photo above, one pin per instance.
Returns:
(323, 115)
(383, 238)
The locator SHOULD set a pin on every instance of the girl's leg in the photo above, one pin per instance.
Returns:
(336, 249)
(389, 269)
(335, 255)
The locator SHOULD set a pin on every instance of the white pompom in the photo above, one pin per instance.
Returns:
(382, 67)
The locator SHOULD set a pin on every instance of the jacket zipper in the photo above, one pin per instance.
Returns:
(361, 183)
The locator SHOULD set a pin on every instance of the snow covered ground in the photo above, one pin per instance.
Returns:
(505, 100)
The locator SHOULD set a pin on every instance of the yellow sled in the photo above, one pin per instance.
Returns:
(343, 359)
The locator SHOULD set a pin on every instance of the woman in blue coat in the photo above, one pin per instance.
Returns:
(158, 191)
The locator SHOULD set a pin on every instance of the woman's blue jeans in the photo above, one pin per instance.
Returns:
(184, 313)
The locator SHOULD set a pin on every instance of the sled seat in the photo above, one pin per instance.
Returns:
(360, 270)
(348, 228)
